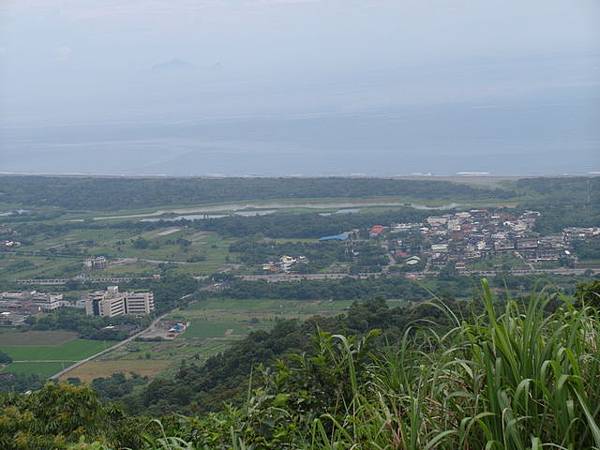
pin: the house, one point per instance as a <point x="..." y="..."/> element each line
<point x="376" y="230"/>
<point x="286" y="262"/>
<point x="413" y="260"/>
<point x="439" y="248"/>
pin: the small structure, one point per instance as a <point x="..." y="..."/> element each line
<point x="287" y="262"/>
<point x="376" y="230"/>
<point x="96" y="263"/>
<point x="336" y="237"/>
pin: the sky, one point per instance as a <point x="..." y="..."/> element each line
<point x="300" y="87"/>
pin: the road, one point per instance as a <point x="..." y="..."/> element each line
<point x="109" y="349"/>
<point x="282" y="277"/>
<point x="278" y="277"/>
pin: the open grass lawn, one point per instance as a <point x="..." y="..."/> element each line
<point x="17" y="338"/>
<point x="97" y="369"/>
<point x="42" y="369"/>
<point x="73" y="350"/>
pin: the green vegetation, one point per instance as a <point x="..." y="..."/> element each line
<point x="46" y="360"/>
<point x="5" y="358"/>
<point x="40" y="370"/>
<point x="123" y="193"/>
<point x="329" y="364"/>
<point x="587" y="250"/>
<point x="564" y="202"/>
<point x="447" y="285"/>
<point x="306" y="224"/>
<point x="70" y="351"/>
<point x="518" y="374"/>
<point x="88" y="327"/>
<point x="36" y="337"/>
<point x="360" y="256"/>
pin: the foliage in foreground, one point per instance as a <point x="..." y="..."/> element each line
<point x="514" y="377"/>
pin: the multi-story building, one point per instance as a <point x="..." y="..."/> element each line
<point x="139" y="303"/>
<point x="111" y="303"/>
<point x="32" y="301"/>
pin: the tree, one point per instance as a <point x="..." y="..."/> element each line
<point x="589" y="293"/>
<point x="5" y="358"/>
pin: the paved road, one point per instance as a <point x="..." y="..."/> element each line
<point x="109" y="349"/>
<point x="282" y="277"/>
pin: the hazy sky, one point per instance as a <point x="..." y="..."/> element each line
<point x="299" y="86"/>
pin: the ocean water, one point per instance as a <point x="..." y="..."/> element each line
<point x="503" y="139"/>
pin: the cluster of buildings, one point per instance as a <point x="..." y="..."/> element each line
<point x="32" y="301"/>
<point x="468" y="236"/>
<point x="112" y="303"/>
<point x="15" y="307"/>
<point x="580" y="234"/>
<point x="285" y="264"/>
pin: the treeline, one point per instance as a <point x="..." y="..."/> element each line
<point x="386" y="286"/>
<point x="88" y="327"/>
<point x="588" y="249"/>
<point x="563" y="202"/>
<point x="87" y="193"/>
<point x="307" y="225"/>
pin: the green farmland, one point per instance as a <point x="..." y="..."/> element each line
<point x="46" y="360"/>
<point x="215" y="324"/>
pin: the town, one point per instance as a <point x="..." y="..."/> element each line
<point x="473" y="239"/>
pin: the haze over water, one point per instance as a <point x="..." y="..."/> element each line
<point x="299" y="87"/>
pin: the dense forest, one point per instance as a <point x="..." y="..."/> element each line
<point x="86" y="193"/>
<point x="447" y="285"/>
<point x="515" y="374"/>
<point x="306" y="225"/>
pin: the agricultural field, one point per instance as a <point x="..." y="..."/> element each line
<point x="46" y="352"/>
<point x="130" y="253"/>
<point x="214" y="325"/>
<point x="100" y="368"/>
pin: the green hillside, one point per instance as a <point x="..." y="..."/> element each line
<point x="517" y="374"/>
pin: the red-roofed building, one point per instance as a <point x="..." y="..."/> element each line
<point x="376" y="230"/>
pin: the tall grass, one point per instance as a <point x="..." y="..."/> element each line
<point x="523" y="374"/>
<point x="516" y="379"/>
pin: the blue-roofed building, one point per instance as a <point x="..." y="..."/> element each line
<point x="336" y="237"/>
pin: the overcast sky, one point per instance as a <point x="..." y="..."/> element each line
<point x="205" y="86"/>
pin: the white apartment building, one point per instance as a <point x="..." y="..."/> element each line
<point x="111" y="303"/>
